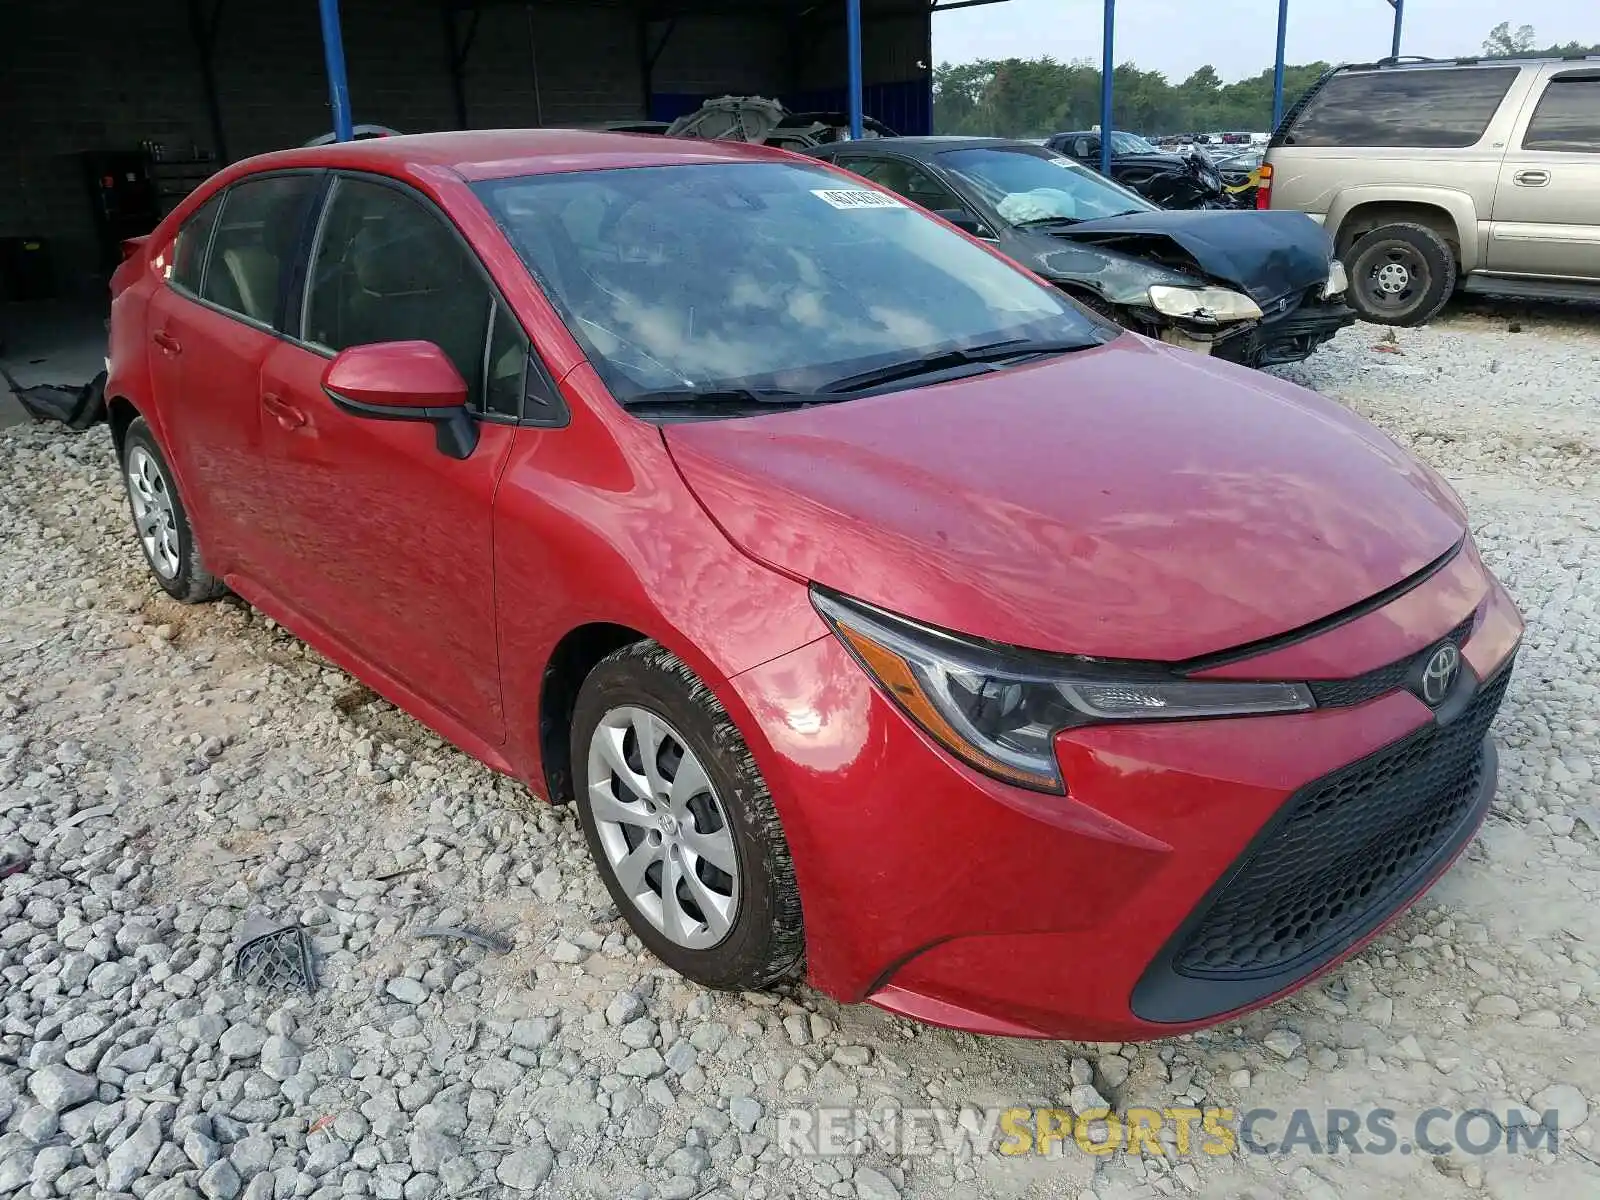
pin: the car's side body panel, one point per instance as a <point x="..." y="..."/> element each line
<point x="593" y="525"/>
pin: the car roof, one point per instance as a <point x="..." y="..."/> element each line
<point x="479" y="154"/>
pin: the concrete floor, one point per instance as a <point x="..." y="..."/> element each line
<point x="55" y="341"/>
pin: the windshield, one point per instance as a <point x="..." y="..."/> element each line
<point x="1024" y="185"/>
<point x="1131" y="143"/>
<point x="757" y="275"/>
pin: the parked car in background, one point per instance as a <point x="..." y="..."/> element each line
<point x="1479" y="175"/>
<point x="1258" y="292"/>
<point x="764" y="122"/>
<point x="878" y="610"/>
<point x="1240" y="168"/>
<point x="1170" y="179"/>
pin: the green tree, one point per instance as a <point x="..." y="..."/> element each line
<point x="1035" y="97"/>
<point x="1503" y="41"/>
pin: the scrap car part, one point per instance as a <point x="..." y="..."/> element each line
<point x="275" y="956"/>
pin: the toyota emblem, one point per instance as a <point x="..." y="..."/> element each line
<point x="1439" y="676"/>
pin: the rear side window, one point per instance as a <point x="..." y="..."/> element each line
<point x="189" y="247"/>
<point x="1568" y="117"/>
<point x="254" y="244"/>
<point x="1424" y="109"/>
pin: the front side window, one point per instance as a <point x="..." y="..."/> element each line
<point x="188" y="256"/>
<point x="908" y="180"/>
<point x="1419" y="109"/>
<point x="505" y="368"/>
<point x="1568" y="117"/>
<point x="1026" y="186"/>
<point x="254" y="244"/>
<point x="760" y="275"/>
<point x="386" y="269"/>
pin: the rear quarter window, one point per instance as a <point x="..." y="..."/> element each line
<point x="1422" y="109"/>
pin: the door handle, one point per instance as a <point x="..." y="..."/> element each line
<point x="287" y="414"/>
<point x="1531" y="178"/>
<point x="166" y="341"/>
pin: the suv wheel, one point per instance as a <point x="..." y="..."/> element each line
<point x="1401" y="275"/>
<point x="681" y="825"/>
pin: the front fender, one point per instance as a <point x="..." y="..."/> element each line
<point x="1456" y="204"/>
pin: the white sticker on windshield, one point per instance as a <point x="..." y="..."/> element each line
<point x="857" y="198"/>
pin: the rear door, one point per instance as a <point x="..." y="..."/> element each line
<point x="211" y="329"/>
<point x="1547" y="202"/>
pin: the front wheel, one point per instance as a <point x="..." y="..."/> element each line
<point x="1401" y="275"/>
<point x="681" y="825"/>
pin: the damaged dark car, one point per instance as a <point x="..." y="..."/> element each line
<point x="1258" y="288"/>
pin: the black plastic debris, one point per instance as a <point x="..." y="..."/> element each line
<point x="491" y="942"/>
<point x="77" y="408"/>
<point x="274" y="955"/>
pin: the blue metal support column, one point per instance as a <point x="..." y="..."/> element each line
<point x="1277" y="64"/>
<point x="1399" y="18"/>
<point x="333" y="56"/>
<point x="1106" y="66"/>
<point x="852" y="10"/>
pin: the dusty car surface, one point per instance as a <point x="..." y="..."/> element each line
<point x="1258" y="292"/>
<point x="881" y="611"/>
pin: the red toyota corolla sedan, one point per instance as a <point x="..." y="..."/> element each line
<point x="879" y="609"/>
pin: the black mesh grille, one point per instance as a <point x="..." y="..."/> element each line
<point x="1344" y="693"/>
<point x="1344" y="848"/>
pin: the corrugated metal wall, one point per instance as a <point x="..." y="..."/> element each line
<point x="82" y="75"/>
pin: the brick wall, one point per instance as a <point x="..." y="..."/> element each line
<point x="81" y="75"/>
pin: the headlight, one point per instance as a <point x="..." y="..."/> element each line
<point x="1338" y="280"/>
<point x="999" y="709"/>
<point x="1204" y="303"/>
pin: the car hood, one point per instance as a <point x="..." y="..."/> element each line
<point x="1129" y="501"/>
<point x="1265" y="254"/>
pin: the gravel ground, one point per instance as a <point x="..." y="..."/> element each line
<point x="169" y="771"/>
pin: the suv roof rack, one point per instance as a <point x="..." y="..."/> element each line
<point x="1474" y="60"/>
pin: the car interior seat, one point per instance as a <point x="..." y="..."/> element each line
<point x="411" y="281"/>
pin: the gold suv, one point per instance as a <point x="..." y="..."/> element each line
<point x="1479" y="174"/>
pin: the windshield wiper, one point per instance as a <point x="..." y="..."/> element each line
<point x="992" y="352"/>
<point x="720" y="400"/>
<point x="1046" y="222"/>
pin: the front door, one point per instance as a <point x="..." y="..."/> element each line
<point x="1547" y="202"/>
<point x="391" y="537"/>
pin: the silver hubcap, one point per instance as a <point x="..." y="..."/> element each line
<point x="663" y="828"/>
<point x="1393" y="278"/>
<point x="153" y="513"/>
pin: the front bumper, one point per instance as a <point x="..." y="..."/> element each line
<point x="936" y="892"/>
<point x="1291" y="335"/>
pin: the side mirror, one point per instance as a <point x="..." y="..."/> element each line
<point x="964" y="221"/>
<point x="404" y="381"/>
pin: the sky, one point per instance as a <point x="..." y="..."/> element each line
<point x="1238" y="36"/>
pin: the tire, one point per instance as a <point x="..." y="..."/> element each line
<point x="168" y="542"/>
<point x="1401" y="275"/>
<point x="750" y="935"/>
